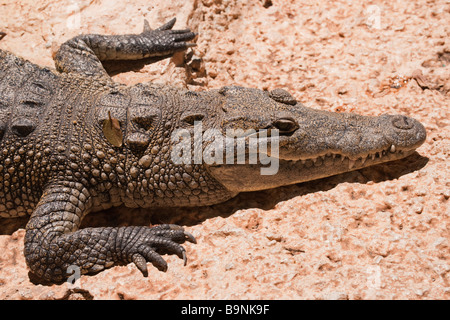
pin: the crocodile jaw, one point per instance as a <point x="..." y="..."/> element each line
<point x="248" y="177"/>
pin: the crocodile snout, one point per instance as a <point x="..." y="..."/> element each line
<point x="403" y="132"/>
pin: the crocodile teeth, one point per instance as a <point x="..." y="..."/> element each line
<point x="351" y="163"/>
<point x="363" y="159"/>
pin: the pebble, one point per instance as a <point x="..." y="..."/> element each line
<point x="417" y="208"/>
<point x="229" y="266"/>
<point x="275" y="237"/>
<point x="421" y="192"/>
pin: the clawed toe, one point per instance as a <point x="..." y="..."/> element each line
<point x="159" y="240"/>
<point x="190" y="237"/>
<point x="173" y="232"/>
<point x="176" y="38"/>
<point x="168" y="25"/>
<point x="186" y="35"/>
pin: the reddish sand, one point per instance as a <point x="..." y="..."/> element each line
<point x="376" y="233"/>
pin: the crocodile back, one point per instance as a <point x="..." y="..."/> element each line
<point x="39" y="110"/>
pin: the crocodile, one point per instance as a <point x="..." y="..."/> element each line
<point x="73" y="141"/>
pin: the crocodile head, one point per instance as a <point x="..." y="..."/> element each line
<point x="312" y="144"/>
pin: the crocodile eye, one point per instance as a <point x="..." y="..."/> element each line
<point x="285" y="125"/>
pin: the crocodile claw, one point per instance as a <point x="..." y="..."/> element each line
<point x="168" y="25"/>
<point x="146" y="26"/>
<point x="184" y="258"/>
<point x="190" y="237"/>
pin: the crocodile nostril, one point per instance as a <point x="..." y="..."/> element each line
<point x="402" y="122"/>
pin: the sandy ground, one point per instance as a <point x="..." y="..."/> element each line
<point x="377" y="233"/>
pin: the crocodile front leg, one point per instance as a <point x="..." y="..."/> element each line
<point x="53" y="242"/>
<point x="83" y="54"/>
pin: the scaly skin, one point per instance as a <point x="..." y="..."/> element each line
<point x="58" y="162"/>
